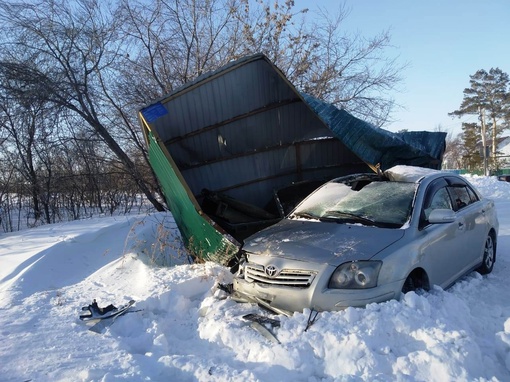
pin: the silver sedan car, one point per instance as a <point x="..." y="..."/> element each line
<point x="369" y="238"/>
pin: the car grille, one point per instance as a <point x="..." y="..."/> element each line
<point x="286" y="277"/>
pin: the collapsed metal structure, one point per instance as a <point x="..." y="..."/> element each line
<point x="236" y="149"/>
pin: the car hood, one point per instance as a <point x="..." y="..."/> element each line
<point x="321" y="242"/>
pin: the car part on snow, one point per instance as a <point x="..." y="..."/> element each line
<point x="312" y="317"/>
<point x="95" y="312"/>
<point x="275" y="323"/>
<point x="101" y="318"/>
<point x="260" y="322"/>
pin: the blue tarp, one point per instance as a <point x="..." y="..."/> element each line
<point x="377" y="146"/>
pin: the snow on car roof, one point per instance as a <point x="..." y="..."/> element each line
<point x="402" y="173"/>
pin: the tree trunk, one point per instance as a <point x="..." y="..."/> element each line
<point x="494" y="144"/>
<point x="484" y="140"/>
<point x="130" y="166"/>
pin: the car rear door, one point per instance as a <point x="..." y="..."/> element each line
<point x="471" y="215"/>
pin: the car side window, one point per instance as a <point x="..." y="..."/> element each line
<point x="441" y="199"/>
<point x="472" y="195"/>
<point x="461" y="196"/>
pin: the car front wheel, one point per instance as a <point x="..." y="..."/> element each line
<point x="416" y="281"/>
<point x="489" y="256"/>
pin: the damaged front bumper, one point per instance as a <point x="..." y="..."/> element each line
<point x="284" y="299"/>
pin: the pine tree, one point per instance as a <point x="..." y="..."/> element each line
<point x="488" y="97"/>
<point x="471" y="157"/>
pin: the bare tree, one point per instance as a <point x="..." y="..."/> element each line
<point x="23" y="124"/>
<point x="97" y="64"/>
<point x="348" y="70"/>
<point x="455" y="153"/>
<point x="171" y="43"/>
<point x="66" y="52"/>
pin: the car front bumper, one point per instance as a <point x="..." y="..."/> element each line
<point x="317" y="296"/>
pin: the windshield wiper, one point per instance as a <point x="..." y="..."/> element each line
<point x="338" y="216"/>
<point x="305" y="215"/>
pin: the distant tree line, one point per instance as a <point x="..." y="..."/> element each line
<point x="488" y="100"/>
<point x="74" y="73"/>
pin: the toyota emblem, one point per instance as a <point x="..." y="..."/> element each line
<point x="272" y="271"/>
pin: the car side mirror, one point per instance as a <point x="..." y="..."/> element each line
<point x="441" y="215"/>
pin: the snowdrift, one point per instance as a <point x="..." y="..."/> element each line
<point x="186" y="329"/>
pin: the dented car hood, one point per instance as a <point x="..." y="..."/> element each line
<point x="321" y="242"/>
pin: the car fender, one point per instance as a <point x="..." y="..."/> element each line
<point x="399" y="259"/>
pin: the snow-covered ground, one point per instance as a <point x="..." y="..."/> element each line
<point x="184" y="329"/>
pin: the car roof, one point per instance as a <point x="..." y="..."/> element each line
<point x="409" y="174"/>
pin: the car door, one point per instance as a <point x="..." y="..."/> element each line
<point x="471" y="215"/>
<point x="441" y="249"/>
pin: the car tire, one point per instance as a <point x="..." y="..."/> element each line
<point x="408" y="285"/>
<point x="417" y="281"/>
<point x="489" y="256"/>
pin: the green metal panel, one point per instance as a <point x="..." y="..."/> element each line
<point x="201" y="235"/>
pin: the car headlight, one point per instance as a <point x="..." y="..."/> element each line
<point x="355" y="275"/>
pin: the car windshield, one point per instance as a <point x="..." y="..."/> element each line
<point x="379" y="203"/>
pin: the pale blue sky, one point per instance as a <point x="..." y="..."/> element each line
<point x="443" y="41"/>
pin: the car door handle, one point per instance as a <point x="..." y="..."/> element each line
<point x="461" y="225"/>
